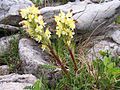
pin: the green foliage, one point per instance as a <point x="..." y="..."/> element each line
<point x="11" y="58"/>
<point x="105" y="75"/>
<point x="107" y="72"/>
<point x="117" y="20"/>
<point x="38" y="85"/>
<point x="37" y="2"/>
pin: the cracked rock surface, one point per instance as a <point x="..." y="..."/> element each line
<point x="9" y="11"/>
<point x="16" y="81"/>
<point x="103" y="45"/>
<point x="89" y="16"/>
<point x="32" y="57"/>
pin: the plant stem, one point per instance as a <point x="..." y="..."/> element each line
<point x="57" y="59"/>
<point x="73" y="59"/>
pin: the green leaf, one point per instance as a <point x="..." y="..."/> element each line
<point x="115" y="71"/>
<point x="48" y="66"/>
<point x="111" y="65"/>
<point x="106" y="60"/>
<point x="102" y="53"/>
<point x="118" y="20"/>
<point x="37" y="85"/>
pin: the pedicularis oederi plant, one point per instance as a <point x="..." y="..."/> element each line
<point x="35" y="26"/>
<point x="82" y="74"/>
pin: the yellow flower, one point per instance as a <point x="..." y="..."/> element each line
<point x="24" y="13"/>
<point x="71" y="23"/>
<point x="71" y="34"/>
<point x="38" y="38"/>
<point x="43" y="47"/>
<point x="69" y="14"/>
<point x="58" y="32"/>
<point x="25" y="23"/>
<point x="64" y="33"/>
<point x="57" y="18"/>
<point x="30" y="17"/>
<point x="62" y="14"/>
<point x="42" y="22"/>
<point x="30" y="32"/>
<point x="34" y="25"/>
<point x="39" y="29"/>
<point x="65" y="26"/>
<point x="34" y="10"/>
<point x="68" y="43"/>
<point x="47" y="33"/>
<point x="39" y="19"/>
<point x="30" y="10"/>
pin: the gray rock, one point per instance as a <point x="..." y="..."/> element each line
<point x="32" y="57"/>
<point x="9" y="10"/>
<point x="8" y="28"/>
<point x="89" y="16"/>
<point x="116" y="36"/>
<point x="16" y="82"/>
<point x="5" y="43"/>
<point x="4" y="70"/>
<point x="103" y="45"/>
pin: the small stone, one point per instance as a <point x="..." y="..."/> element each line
<point x="116" y="36"/>
<point x="4" y="70"/>
<point x="32" y="57"/>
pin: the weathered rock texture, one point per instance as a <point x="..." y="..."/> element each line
<point x="116" y="36"/>
<point x="8" y="28"/>
<point x="89" y="16"/>
<point x="104" y="45"/>
<point x="16" y="82"/>
<point x="5" y="43"/>
<point x="4" y="70"/>
<point x="9" y="10"/>
<point x="32" y="57"/>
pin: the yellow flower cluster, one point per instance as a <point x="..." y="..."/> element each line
<point x="65" y="26"/>
<point x="34" y="25"/>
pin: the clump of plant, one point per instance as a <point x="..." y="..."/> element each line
<point x="11" y="58"/>
<point x="78" y="72"/>
<point x="35" y="27"/>
<point x="117" y="21"/>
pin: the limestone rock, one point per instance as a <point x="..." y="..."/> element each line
<point x="5" y="43"/>
<point x="16" y="82"/>
<point x="8" y="28"/>
<point x="103" y="45"/>
<point x="32" y="57"/>
<point x="4" y="70"/>
<point x="116" y="36"/>
<point x="89" y="16"/>
<point x="9" y="10"/>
